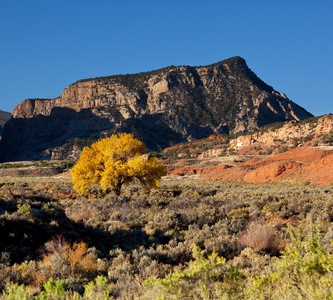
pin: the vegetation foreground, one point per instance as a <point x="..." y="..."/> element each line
<point x="190" y="239"/>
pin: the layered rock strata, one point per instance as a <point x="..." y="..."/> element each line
<point x="161" y="107"/>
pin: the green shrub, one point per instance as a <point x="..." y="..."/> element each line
<point x="97" y="290"/>
<point x="304" y="271"/>
<point x="16" y="292"/>
<point x="202" y="278"/>
<point x="53" y="289"/>
<point x="25" y="210"/>
<point x="327" y="138"/>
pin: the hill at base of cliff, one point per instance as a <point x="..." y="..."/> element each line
<point x="289" y="152"/>
<point x="162" y="107"/>
<point x="4" y="117"/>
<point x="299" y="165"/>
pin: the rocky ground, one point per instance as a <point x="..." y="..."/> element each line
<point x="312" y="165"/>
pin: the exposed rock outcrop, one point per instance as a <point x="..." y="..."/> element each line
<point x="288" y="132"/>
<point x="162" y="107"/>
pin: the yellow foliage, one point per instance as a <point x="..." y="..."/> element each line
<point x="114" y="161"/>
<point x="77" y="253"/>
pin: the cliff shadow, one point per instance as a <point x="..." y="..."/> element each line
<point x="32" y="138"/>
<point x="65" y="131"/>
<point x="49" y="221"/>
<point x="159" y="131"/>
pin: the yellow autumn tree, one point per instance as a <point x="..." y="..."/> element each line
<point x="114" y="161"/>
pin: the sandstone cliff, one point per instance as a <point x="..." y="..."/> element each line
<point x="166" y="106"/>
<point x="289" y="132"/>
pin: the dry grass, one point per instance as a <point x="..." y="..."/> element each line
<point x="263" y="238"/>
<point x="80" y="215"/>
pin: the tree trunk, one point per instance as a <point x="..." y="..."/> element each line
<point x="118" y="188"/>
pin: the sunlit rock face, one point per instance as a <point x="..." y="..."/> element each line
<point x="161" y="107"/>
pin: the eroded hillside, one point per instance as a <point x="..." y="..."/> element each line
<point x="293" y="152"/>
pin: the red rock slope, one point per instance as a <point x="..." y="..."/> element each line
<point x="312" y="165"/>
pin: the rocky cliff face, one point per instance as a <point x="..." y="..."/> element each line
<point x="4" y="117"/>
<point x="162" y="107"/>
<point x="288" y="132"/>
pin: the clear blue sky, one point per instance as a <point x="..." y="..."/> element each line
<point x="47" y="45"/>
